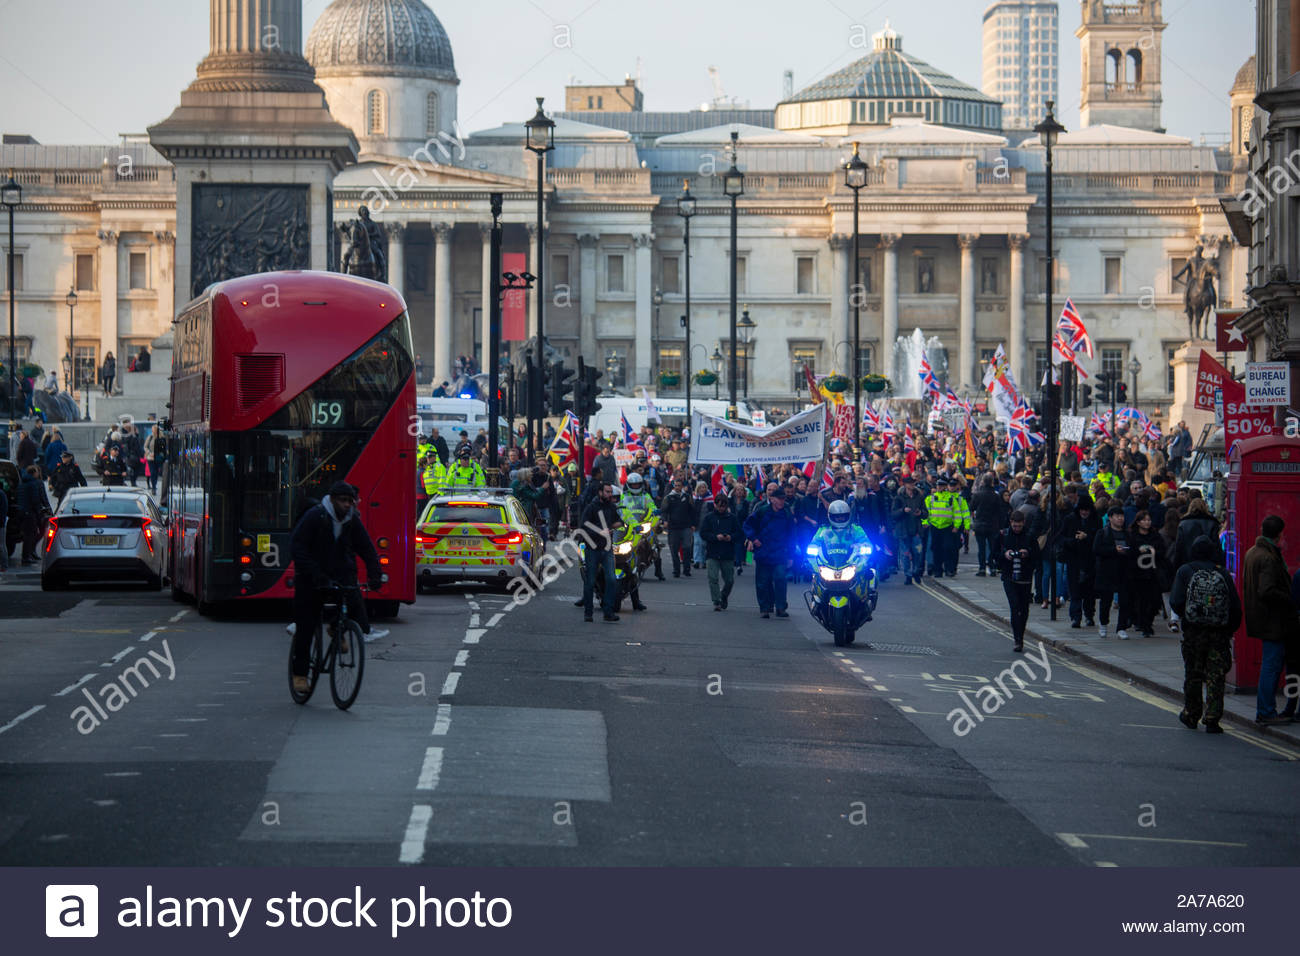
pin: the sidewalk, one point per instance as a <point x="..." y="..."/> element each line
<point x="1154" y="663"/>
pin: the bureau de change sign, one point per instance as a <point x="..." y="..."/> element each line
<point x="1268" y="383"/>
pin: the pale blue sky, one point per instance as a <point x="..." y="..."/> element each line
<point x="83" y="71"/>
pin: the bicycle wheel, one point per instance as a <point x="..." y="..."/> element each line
<point x="313" y="671"/>
<point x="345" y="675"/>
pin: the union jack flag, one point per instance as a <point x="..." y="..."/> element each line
<point x="928" y="379"/>
<point x="1151" y="431"/>
<point x="909" y="443"/>
<point x="870" y="419"/>
<point x="631" y="440"/>
<point x="1100" y="424"/>
<point x="1019" y="437"/>
<point x="1132" y="414"/>
<point x="566" y="447"/>
<point x="1072" y="328"/>
<point x="1062" y="352"/>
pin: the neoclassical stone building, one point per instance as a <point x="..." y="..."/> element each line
<point x="952" y="236"/>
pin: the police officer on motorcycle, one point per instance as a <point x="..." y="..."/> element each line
<point x="640" y="507"/>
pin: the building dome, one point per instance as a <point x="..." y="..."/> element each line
<point x="886" y="83"/>
<point x="380" y="37"/>
<point x="1245" y="81"/>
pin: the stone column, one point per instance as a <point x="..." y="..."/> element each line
<point x="966" y="351"/>
<point x="587" y="297"/>
<point x="442" y="360"/>
<point x="1016" y="307"/>
<point x="841" y="280"/>
<point x="644" y="242"/>
<point x="108" y="300"/>
<point x="532" y="267"/>
<point x="166" y="280"/>
<point x="889" y="304"/>
<point x="254" y="26"/>
<point x="485" y="297"/>
<point x="396" y="232"/>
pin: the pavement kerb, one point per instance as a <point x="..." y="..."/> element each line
<point x="1174" y="694"/>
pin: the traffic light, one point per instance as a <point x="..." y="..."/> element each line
<point x="586" y="390"/>
<point x="534" y="391"/>
<point x="1103" y="388"/>
<point x="1121" y="393"/>
<point x="1086" y="398"/>
<point x="560" y="387"/>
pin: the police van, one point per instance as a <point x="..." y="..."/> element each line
<point x="451" y="416"/>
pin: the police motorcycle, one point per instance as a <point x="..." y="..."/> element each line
<point x="641" y="514"/>
<point x="844" y="587"/>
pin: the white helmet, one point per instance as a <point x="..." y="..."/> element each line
<point x="839" y="515"/>
<point x="635" y="483"/>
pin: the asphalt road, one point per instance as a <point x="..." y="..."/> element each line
<point x="492" y="734"/>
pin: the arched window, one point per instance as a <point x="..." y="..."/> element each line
<point x="376" y="116"/>
<point x="431" y="115"/>
<point x="1114" y="67"/>
<point x="1135" y="67"/>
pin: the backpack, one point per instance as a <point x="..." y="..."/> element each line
<point x="1208" y="602"/>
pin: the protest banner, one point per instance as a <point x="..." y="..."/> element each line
<point x="799" y="439"/>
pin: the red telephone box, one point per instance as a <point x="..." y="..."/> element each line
<point x="1263" y="480"/>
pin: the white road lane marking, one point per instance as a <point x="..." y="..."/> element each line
<point x="1104" y="863"/>
<point x="123" y="773"/>
<point x="462" y="657"/>
<point x="178" y="615"/>
<point x="150" y="636"/>
<point x="1076" y="839"/>
<point x="21" y="717"/>
<point x="1069" y="839"/>
<point x="442" y="723"/>
<point x="173" y="735"/>
<point x="473" y="620"/>
<point x="449" y="685"/>
<point x="190" y="720"/>
<point x="495" y="619"/>
<point x="117" y="657"/>
<point x="473" y="636"/>
<point x="417" y="828"/>
<point x="431" y="771"/>
<point x="71" y="687"/>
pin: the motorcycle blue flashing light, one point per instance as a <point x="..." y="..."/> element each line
<point x="812" y="550"/>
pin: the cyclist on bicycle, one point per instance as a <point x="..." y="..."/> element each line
<point x="326" y="544"/>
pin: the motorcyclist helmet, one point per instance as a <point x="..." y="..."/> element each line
<point x="635" y="483"/>
<point x="839" y="515"/>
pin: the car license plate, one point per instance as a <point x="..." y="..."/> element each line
<point x="100" y="541"/>
<point x="464" y="544"/>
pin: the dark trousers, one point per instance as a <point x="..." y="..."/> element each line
<point x="1206" y="659"/>
<point x="951" y="551"/>
<point x="133" y="470"/>
<point x="680" y="543"/>
<point x="769" y="585"/>
<point x="307" y="603"/>
<point x="984" y="542"/>
<point x="1082" y="599"/>
<point x="108" y="384"/>
<point x="1146" y="603"/>
<point x="1104" y="599"/>
<point x="597" y="559"/>
<point x="31" y="534"/>
<point x="1018" y="599"/>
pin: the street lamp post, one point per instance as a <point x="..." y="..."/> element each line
<point x="1048" y="131"/>
<point x="70" y="382"/>
<point x="658" y="299"/>
<point x="717" y="358"/>
<point x="11" y="194"/>
<point x="493" y="343"/>
<point x="855" y="177"/>
<point x="733" y="186"/>
<point x="540" y="139"/>
<point x="1134" y="370"/>
<point x="746" y="326"/>
<point x="686" y="209"/>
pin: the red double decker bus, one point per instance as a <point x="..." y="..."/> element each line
<point x="282" y="384"/>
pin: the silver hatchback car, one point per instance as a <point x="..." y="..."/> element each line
<point x="105" y="534"/>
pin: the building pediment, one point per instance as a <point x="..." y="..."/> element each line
<point x="404" y="175"/>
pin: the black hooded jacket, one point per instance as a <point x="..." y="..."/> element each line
<point x="320" y="557"/>
<point x="1204" y="557"/>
